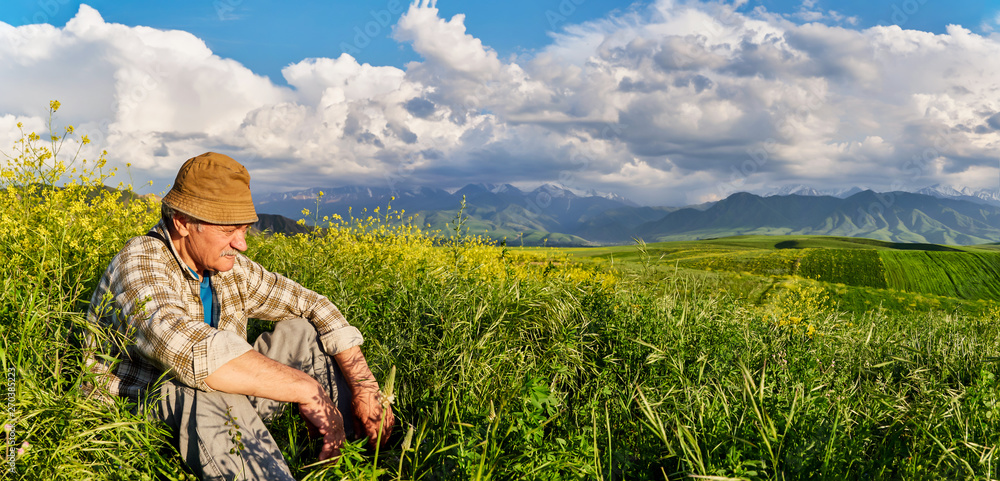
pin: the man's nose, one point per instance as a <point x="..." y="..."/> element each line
<point x="240" y="241"/>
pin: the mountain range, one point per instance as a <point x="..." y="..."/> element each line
<point x="555" y="216"/>
<point x="982" y="196"/>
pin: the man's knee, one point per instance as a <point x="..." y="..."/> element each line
<point x="183" y="405"/>
<point x="295" y="328"/>
<point x="294" y="343"/>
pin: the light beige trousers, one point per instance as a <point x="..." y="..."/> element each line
<point x="198" y="418"/>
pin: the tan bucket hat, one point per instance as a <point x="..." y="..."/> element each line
<point x="213" y="188"/>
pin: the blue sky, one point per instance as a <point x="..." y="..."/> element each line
<point x="667" y="102"/>
<point x="267" y="35"/>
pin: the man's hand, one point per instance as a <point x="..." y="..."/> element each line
<point x="370" y="409"/>
<point x="322" y="414"/>
<point x="369" y="406"/>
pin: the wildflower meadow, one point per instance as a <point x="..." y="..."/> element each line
<point x="508" y="363"/>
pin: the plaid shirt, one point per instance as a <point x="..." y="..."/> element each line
<point x="147" y="318"/>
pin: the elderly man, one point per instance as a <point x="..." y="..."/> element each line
<point x="176" y="302"/>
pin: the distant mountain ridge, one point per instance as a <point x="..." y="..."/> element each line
<point x="555" y="216"/>
<point x="892" y="216"/>
<point x="982" y="196"/>
<point x="800" y="189"/>
<point x="548" y="215"/>
<point x="273" y="223"/>
<point x="985" y="196"/>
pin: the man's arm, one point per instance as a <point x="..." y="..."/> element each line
<point x="367" y="400"/>
<point x="275" y="297"/>
<point x="253" y="374"/>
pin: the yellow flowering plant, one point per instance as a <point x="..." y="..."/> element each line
<point x="60" y="222"/>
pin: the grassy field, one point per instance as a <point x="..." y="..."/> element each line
<point x="966" y="275"/>
<point x="962" y="274"/>
<point x="746" y="358"/>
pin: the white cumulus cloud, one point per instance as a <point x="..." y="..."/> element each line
<point x="666" y="103"/>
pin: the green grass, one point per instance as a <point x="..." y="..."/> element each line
<point x="671" y="373"/>
<point x="855" y="267"/>
<point x="613" y="363"/>
<point x="965" y="275"/>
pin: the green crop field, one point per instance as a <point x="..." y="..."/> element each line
<point x="969" y="273"/>
<point x="758" y="358"/>
<point x="966" y="275"/>
<point x="855" y="267"/>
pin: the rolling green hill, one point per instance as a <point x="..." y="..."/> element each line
<point x="964" y="275"/>
<point x="969" y="273"/>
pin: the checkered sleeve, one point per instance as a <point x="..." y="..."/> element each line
<point x="152" y="299"/>
<point x="274" y="297"/>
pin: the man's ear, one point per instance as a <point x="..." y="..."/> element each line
<point x="182" y="224"/>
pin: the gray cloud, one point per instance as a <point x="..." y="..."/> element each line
<point x="419" y="107"/>
<point x="629" y="85"/>
<point x="994" y="121"/>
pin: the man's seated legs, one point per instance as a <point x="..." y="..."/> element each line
<point x="198" y="418"/>
<point x="201" y="435"/>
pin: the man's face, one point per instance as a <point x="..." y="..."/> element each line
<point x="214" y="247"/>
